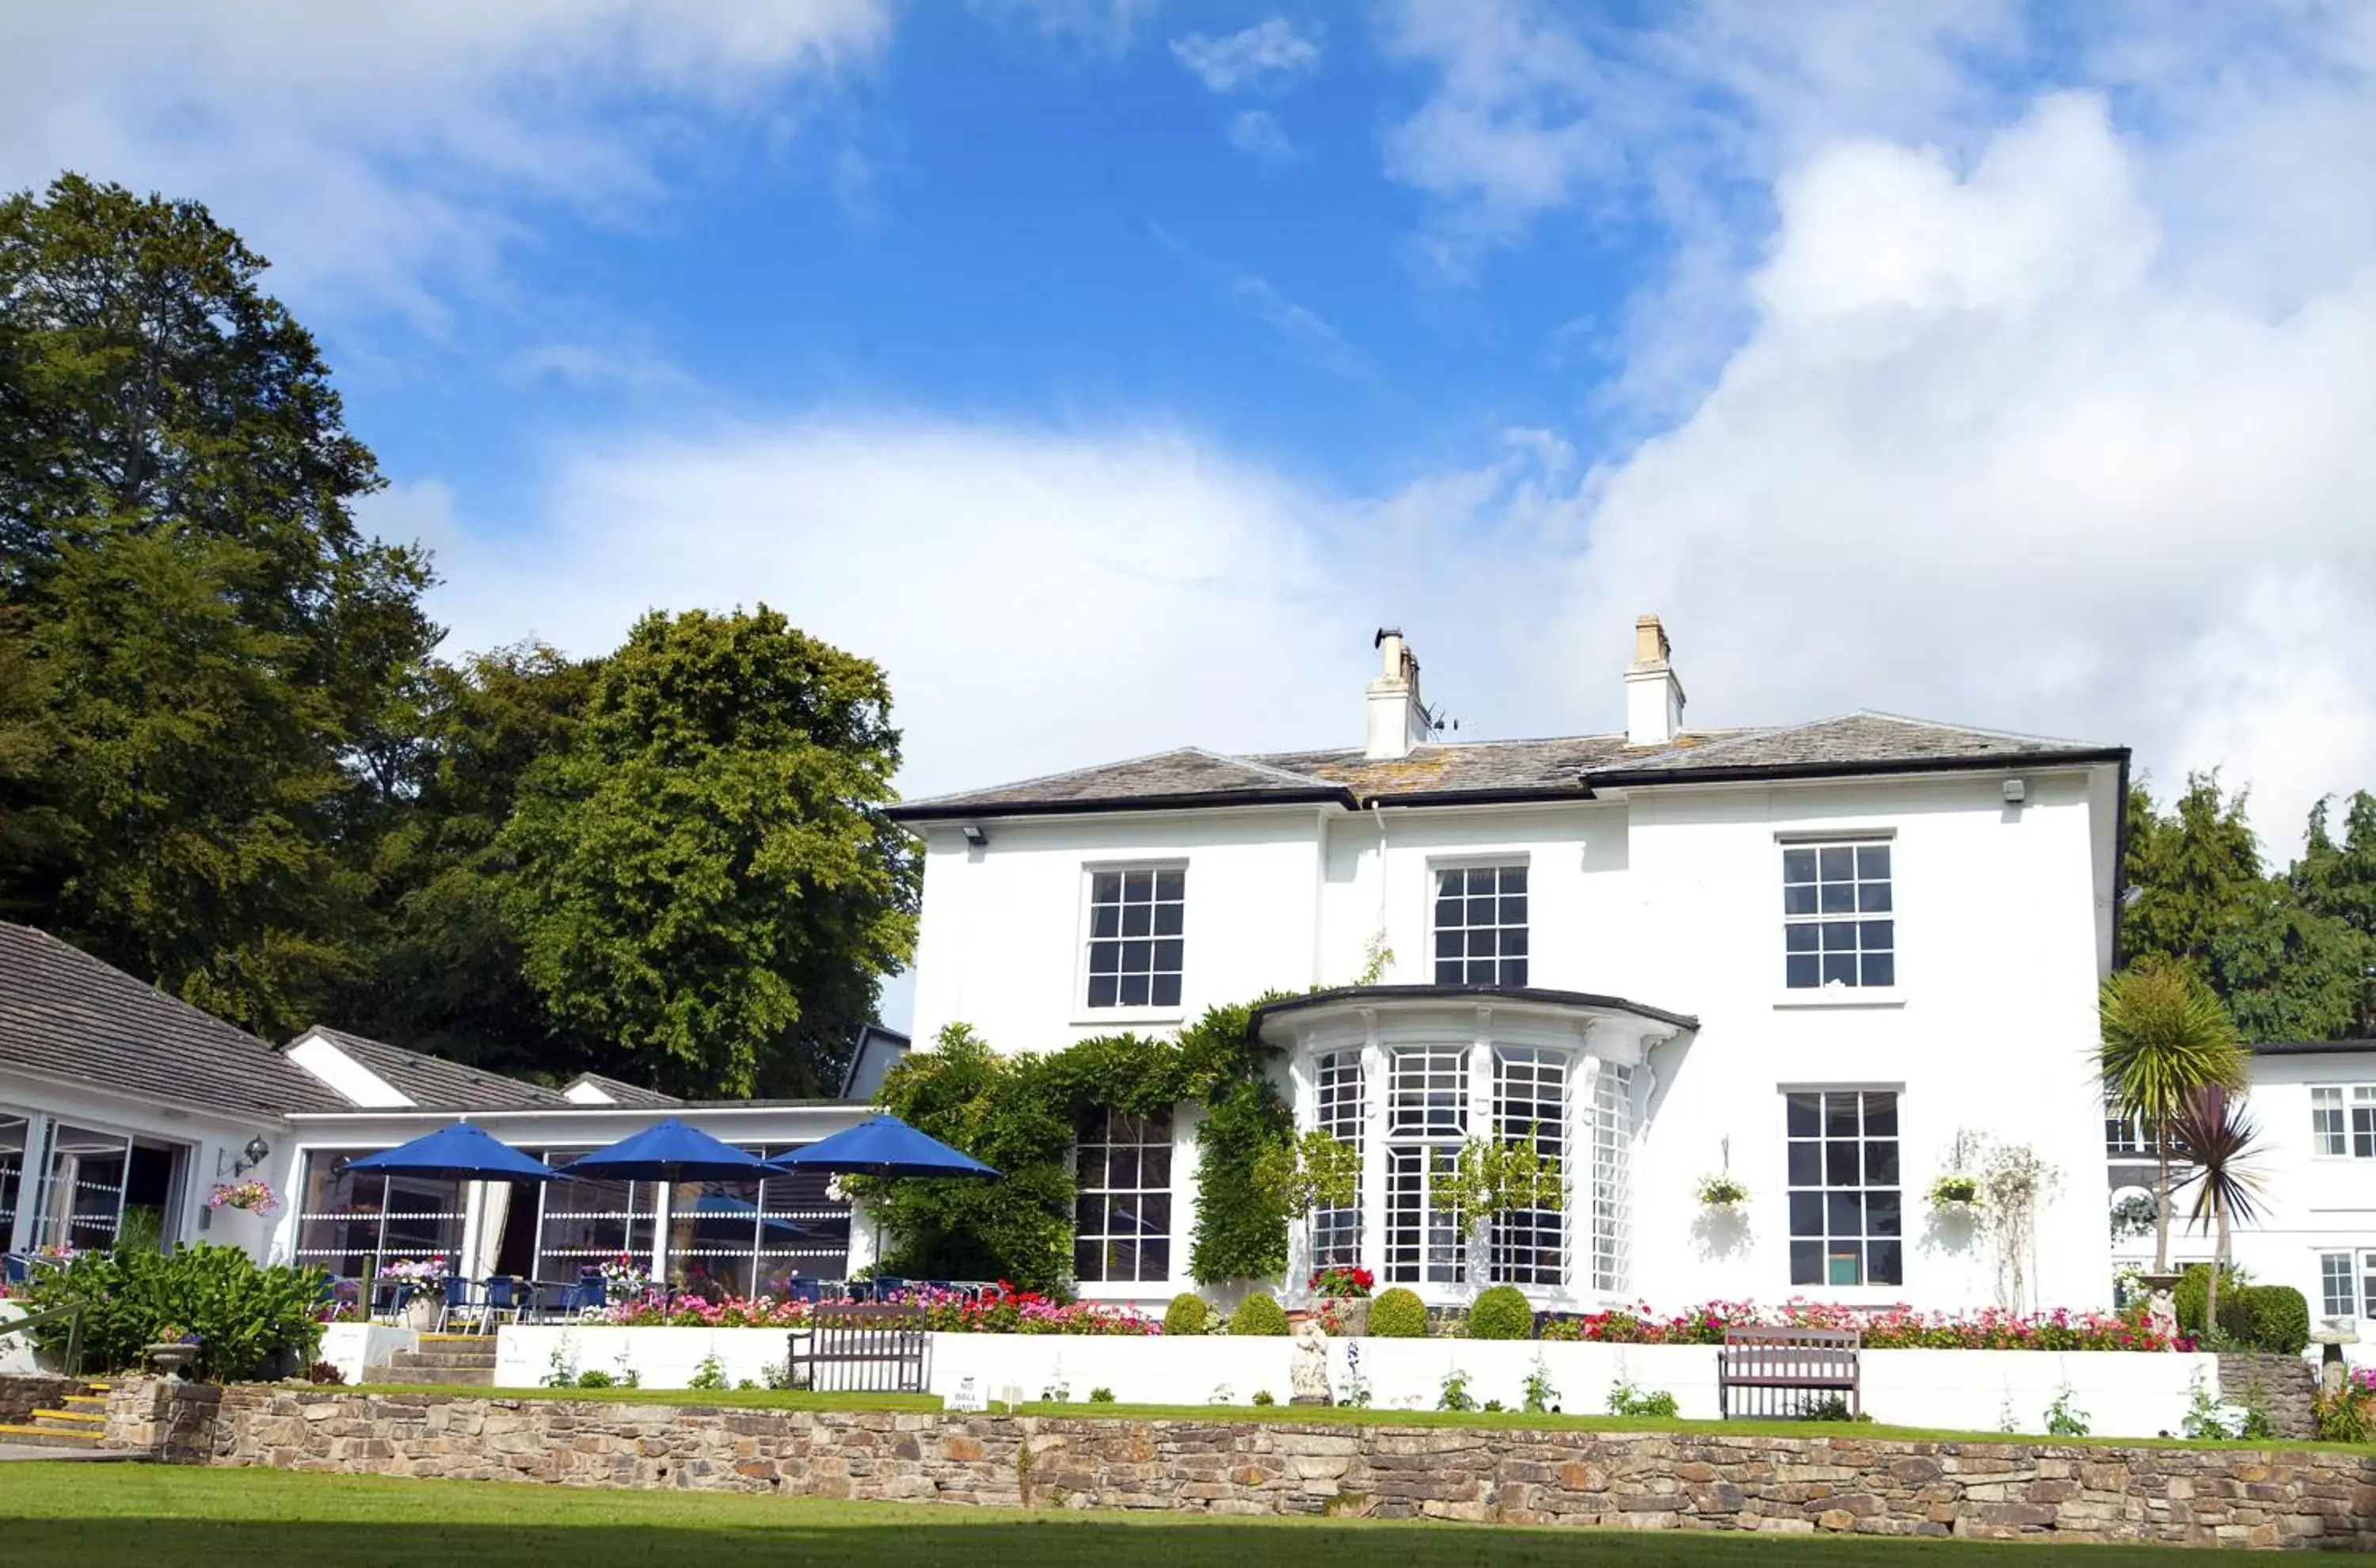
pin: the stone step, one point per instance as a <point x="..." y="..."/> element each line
<point x="457" y="1377"/>
<point x="70" y="1420"/>
<point x="48" y="1437"/>
<point x="434" y="1362"/>
<point x="95" y="1403"/>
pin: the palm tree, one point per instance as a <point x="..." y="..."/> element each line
<point x="2165" y="1036"/>
<point x="2216" y="1139"/>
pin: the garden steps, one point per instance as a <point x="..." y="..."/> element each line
<point x="76" y="1421"/>
<point x="465" y="1360"/>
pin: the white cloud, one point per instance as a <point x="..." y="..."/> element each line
<point x="374" y="152"/>
<point x="1265" y="55"/>
<point x="1258" y="135"/>
<point x="1984" y="458"/>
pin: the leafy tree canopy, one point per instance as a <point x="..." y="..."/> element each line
<point x="214" y="643"/>
<point x="2291" y="957"/>
<point x="704" y="876"/>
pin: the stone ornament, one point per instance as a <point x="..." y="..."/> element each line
<point x="1308" y="1378"/>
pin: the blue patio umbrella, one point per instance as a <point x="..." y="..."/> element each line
<point x="459" y="1153"/>
<point x="886" y="1147"/>
<point x="670" y="1152"/>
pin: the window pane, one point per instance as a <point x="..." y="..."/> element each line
<point x="1799" y="898"/>
<point x="1166" y="955"/>
<point x="1879" y="1114"/>
<point x="1453" y="883"/>
<point x="1881" y="1216"/>
<point x="1137" y="919"/>
<point x="1170" y="886"/>
<point x="1844" y="1213"/>
<point x="1888" y="1263"/>
<point x="1137" y="887"/>
<point x="1872" y="897"/>
<point x="1105" y="921"/>
<point x="1874" y="934"/>
<point x="1801" y="973"/>
<point x="1800" y="938"/>
<point x="1102" y="991"/>
<point x="1880" y="969"/>
<point x="1166" y="919"/>
<point x="1105" y="957"/>
<point x="1806" y="1214"/>
<point x="1836" y="863"/>
<point x="1513" y="879"/>
<point x="1839" y="897"/>
<point x="1105" y="887"/>
<point x="1166" y="990"/>
<point x="1839" y="936"/>
<point x="1872" y="861"/>
<point x="1839" y="969"/>
<point x="1803" y="1114"/>
<point x="1806" y="1263"/>
<point x="1840" y="1163"/>
<point x="1135" y="990"/>
<point x="1880" y="1163"/>
<point x="1798" y="865"/>
<point x="1806" y="1165"/>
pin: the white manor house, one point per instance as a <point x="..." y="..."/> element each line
<point x="1806" y="956"/>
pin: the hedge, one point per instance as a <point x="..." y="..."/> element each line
<point x="1501" y="1312"/>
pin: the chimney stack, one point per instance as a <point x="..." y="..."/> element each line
<point x="1654" y="698"/>
<point x="1398" y="721"/>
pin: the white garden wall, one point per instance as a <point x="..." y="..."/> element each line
<point x="353" y="1347"/>
<point x="2122" y="1395"/>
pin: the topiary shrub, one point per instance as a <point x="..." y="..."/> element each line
<point x="2268" y="1317"/>
<point x="1186" y="1315"/>
<point x="1398" y="1314"/>
<point x="1501" y="1312"/>
<point x="1258" y="1314"/>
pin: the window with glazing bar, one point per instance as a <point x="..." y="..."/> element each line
<point x="1529" y="1246"/>
<point x="1344" y="1116"/>
<point x="1136" y="947"/>
<point x="1838" y="926"/>
<point x="1612" y="1187"/>
<point x="1480" y="925"/>
<point x="1846" y="1221"/>
<point x="1122" y="1221"/>
<point x="1427" y="1117"/>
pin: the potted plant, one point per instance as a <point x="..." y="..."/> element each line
<point x="624" y="1279"/>
<point x="175" y="1348"/>
<point x="422" y="1283"/>
<point x="1723" y="1191"/>
<point x="1344" y="1294"/>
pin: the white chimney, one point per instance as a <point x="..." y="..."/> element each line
<point x="1654" y="698"/>
<point x="1398" y="721"/>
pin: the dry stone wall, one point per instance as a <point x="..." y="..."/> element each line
<point x="1842" y="1482"/>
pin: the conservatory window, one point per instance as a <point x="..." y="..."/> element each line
<point x="354" y="1225"/>
<point x="587" y="1223"/>
<point x="1427" y="1117"/>
<point x="1344" y="1116"/>
<point x="755" y="1238"/>
<point x="1846" y="1227"/>
<point x="1121" y="1220"/>
<point x="1529" y="1246"/>
<point x="1612" y="1192"/>
<point x="1837" y="926"/>
<point x="1480" y="925"/>
<point x="14" y="1135"/>
<point x="82" y="1193"/>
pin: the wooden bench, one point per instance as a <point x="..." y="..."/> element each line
<point x="1787" y="1372"/>
<point x="862" y="1347"/>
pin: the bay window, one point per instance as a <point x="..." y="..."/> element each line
<point x="1427" y="1120"/>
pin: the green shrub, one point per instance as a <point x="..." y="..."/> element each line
<point x="1102" y="1396"/>
<point x="245" y="1316"/>
<point x="2268" y="1317"/>
<point x="1186" y="1315"/>
<point x="1264" y="1396"/>
<point x="1258" y="1314"/>
<point x="2344" y="1416"/>
<point x="1627" y="1399"/>
<point x="1501" y="1312"/>
<point x="594" y="1378"/>
<point x="1398" y="1314"/>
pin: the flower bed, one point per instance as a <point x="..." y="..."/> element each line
<point x="1887" y="1329"/>
<point x="1002" y="1311"/>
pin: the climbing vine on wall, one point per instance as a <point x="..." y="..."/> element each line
<point x="1021" y="1113"/>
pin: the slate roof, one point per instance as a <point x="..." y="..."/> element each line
<point x="65" y="1015"/>
<point x="1562" y="768"/>
<point x="435" y="1083"/>
<point x="2311" y="1047"/>
<point x="625" y="1093"/>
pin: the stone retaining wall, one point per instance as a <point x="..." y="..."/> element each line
<point x="2280" y="1387"/>
<point x="20" y="1397"/>
<point x="1842" y="1481"/>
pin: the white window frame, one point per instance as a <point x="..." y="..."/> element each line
<point x="1341" y="1109"/>
<point x="1436" y="871"/>
<point x="2349" y="1258"/>
<point x="1865" y="1287"/>
<point x="2135" y="1142"/>
<point x="1155" y="1132"/>
<point x="1426" y="1142"/>
<point x="1082" y="1012"/>
<point x="2329" y="1140"/>
<point x="1822" y="994"/>
<point x="1517" y="1242"/>
<point x="1612" y="1178"/>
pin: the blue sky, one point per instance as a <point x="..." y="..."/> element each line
<point x="1109" y="369"/>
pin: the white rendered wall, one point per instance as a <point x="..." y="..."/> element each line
<point x="2123" y="1395"/>
<point x="2311" y="1203"/>
<point x="1672" y="899"/>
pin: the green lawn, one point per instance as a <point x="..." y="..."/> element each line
<point x="70" y="1515"/>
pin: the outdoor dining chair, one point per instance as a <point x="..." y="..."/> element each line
<point x="502" y="1295"/>
<point x="457" y="1298"/>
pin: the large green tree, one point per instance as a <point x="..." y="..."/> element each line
<point x="219" y="652"/>
<point x="705" y="878"/>
<point x="445" y="972"/>
<point x="2289" y="956"/>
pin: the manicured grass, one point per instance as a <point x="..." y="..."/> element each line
<point x="82" y="1514"/>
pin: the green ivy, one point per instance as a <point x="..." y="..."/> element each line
<point x="1020" y="1114"/>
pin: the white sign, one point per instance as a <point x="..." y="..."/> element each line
<point x="967" y="1397"/>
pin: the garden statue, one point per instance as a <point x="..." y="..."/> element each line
<point x="2161" y="1312"/>
<point x="1309" y="1377"/>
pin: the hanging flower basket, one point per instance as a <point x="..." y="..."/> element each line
<point x="1955" y="1192"/>
<point x="1723" y="1191"/>
<point x="250" y="1196"/>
